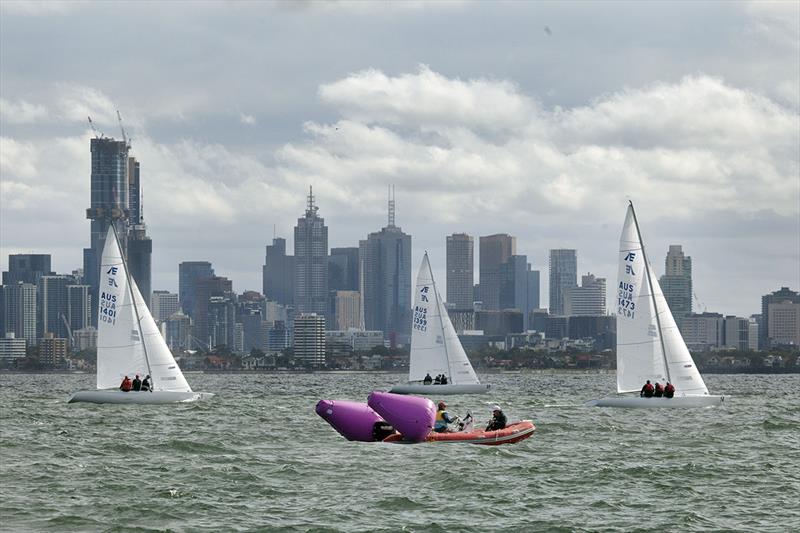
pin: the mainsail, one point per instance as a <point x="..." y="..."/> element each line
<point x="435" y="348"/>
<point x="128" y="340"/>
<point x="649" y="345"/>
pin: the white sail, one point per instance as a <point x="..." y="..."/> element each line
<point x="649" y="345"/>
<point x="128" y="340"/>
<point x="120" y="351"/>
<point x="435" y="348"/>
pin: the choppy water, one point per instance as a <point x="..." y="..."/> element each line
<point x="256" y="457"/>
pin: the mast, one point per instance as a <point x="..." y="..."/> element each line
<point x="441" y="320"/>
<point x="652" y="292"/>
<point x="135" y="308"/>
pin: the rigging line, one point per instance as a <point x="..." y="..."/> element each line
<point x="135" y="307"/>
<point x="652" y="292"/>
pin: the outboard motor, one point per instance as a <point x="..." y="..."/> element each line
<point x="412" y="416"/>
<point x="353" y="420"/>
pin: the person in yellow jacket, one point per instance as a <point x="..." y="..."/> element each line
<point x="443" y="418"/>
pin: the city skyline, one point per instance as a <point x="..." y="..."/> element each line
<point x="707" y="148"/>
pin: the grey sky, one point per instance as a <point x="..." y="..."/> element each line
<point x="484" y="121"/>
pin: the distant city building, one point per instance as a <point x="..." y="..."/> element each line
<point x="602" y="329"/>
<point x="109" y="203"/>
<point x="343" y="269"/>
<point x="140" y="246"/>
<point x="277" y="337"/>
<point x="516" y="292"/>
<point x="79" y="307"/>
<point x="538" y="319"/>
<point x="11" y="348"/>
<point x="493" y="322"/>
<point x="278" y="273"/>
<point x="222" y="321"/>
<point x="494" y="251"/>
<point x="204" y="290"/>
<point x="250" y="311"/>
<point x="84" y="339"/>
<point x="462" y="319"/>
<point x="163" y="304"/>
<point x="766" y="331"/>
<point x="348" y="341"/>
<point x="53" y="306"/>
<point x="52" y="350"/>
<point x="460" y="270"/>
<point x="27" y="268"/>
<point x="189" y="273"/>
<point x="783" y="323"/>
<point x="347" y="309"/>
<point x="703" y="331"/>
<point x="676" y="283"/>
<point x="587" y="300"/>
<point x="19" y="308"/>
<point x="563" y="275"/>
<point x="736" y="333"/>
<point x="178" y="331"/>
<point x="753" y="334"/>
<point x="385" y="273"/>
<point x="309" y="339"/>
<point x="311" y="262"/>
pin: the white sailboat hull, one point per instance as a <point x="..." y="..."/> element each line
<point x="141" y="398"/>
<point x="436" y="390"/>
<point x="635" y="402"/>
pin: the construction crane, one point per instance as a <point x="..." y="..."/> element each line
<point x="97" y="134"/>
<point x="699" y="303"/>
<point x="122" y="129"/>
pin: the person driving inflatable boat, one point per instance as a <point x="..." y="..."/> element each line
<point x="443" y="418"/>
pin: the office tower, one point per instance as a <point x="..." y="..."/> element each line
<point x="278" y="273"/>
<point x="178" y="331"/>
<point x="222" y="321"/>
<point x="563" y="274"/>
<point x="703" y="331"/>
<point x="676" y="283"/>
<point x="109" y="203"/>
<point x="767" y="330"/>
<point x="587" y="300"/>
<point x="163" y="304"/>
<point x="784" y="324"/>
<point x="189" y="273"/>
<point x="534" y="290"/>
<point x="343" y="269"/>
<point x="250" y="311"/>
<point x="309" y="339"/>
<point x="20" y="311"/>
<point x="277" y="337"/>
<point x="460" y="270"/>
<point x="53" y="306"/>
<point x="79" y="307"/>
<point x="385" y="266"/>
<point x="140" y="246"/>
<point x="27" y="268"/>
<point x="52" y="350"/>
<point x="11" y="349"/>
<point x="204" y="290"/>
<point x="84" y="339"/>
<point x="494" y="251"/>
<point x="311" y="261"/>
<point x="515" y="291"/>
<point x="752" y="334"/>
<point x="348" y="310"/>
<point x="736" y="333"/>
<point x="3" y="329"/>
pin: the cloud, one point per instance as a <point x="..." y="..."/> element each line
<point x="77" y="102"/>
<point x="21" y="112"/>
<point x="40" y="7"/>
<point x="247" y="119"/>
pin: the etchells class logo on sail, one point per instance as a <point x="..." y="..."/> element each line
<point x="108" y="301"/>
<point x="625" y="304"/>
<point x="420" y="311"/>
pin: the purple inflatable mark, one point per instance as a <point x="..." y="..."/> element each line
<point x="412" y="416"/>
<point x="353" y="420"/>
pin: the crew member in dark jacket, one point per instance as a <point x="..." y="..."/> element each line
<point x="137" y="383"/>
<point x="146" y="383"/>
<point x="647" y="390"/>
<point x="498" y="420"/>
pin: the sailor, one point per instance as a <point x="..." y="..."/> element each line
<point x="498" y="420"/>
<point x="647" y="390"/>
<point x="146" y="383"/>
<point x="659" y="390"/>
<point x="428" y="379"/>
<point x="669" y="390"/>
<point x="438" y="380"/>
<point x="444" y="379"/>
<point x="126" y="384"/>
<point x="137" y="383"/>
<point x="442" y="419"/>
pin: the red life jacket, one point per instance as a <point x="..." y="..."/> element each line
<point x="126" y="385"/>
<point x="648" y="388"/>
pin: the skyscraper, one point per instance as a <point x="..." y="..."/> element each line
<point x="311" y="261"/>
<point x="494" y="251"/>
<point x="385" y="266"/>
<point x="163" y="304"/>
<point x="343" y="269"/>
<point x="27" y="268"/>
<point x="53" y="306"/>
<point x="309" y="339"/>
<point x="109" y="203"/>
<point x="676" y="283"/>
<point x="770" y="333"/>
<point x="189" y="273"/>
<point x="20" y="311"/>
<point x="204" y="290"/>
<point x="587" y="300"/>
<point x="79" y="305"/>
<point x="460" y="270"/>
<point x="278" y="273"/>
<point x="140" y="246"/>
<point x="563" y="274"/>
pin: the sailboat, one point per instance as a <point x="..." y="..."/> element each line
<point x="649" y="344"/>
<point x="435" y="348"/>
<point x="129" y="342"/>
